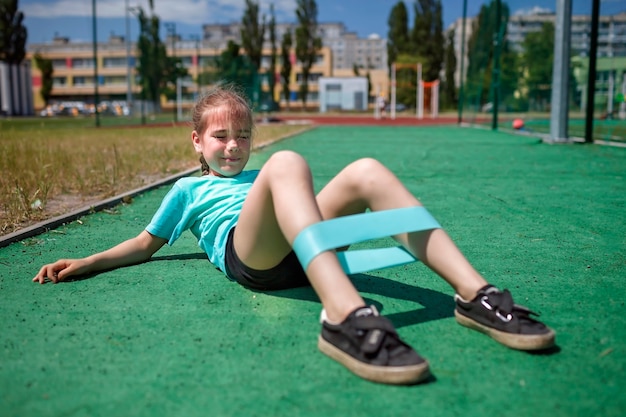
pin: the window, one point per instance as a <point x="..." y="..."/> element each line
<point x="114" y="62"/>
<point x="313" y="77"/>
<point x="59" y="63"/>
<point x="82" y="63"/>
<point x="115" y="80"/>
<point x="206" y="61"/>
<point x="59" y="81"/>
<point x="266" y="61"/>
<point x="83" y="81"/>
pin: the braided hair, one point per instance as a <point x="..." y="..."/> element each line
<point x="206" y="170"/>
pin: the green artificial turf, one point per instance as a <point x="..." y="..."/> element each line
<point x="174" y="337"/>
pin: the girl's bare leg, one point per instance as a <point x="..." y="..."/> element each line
<point x="369" y="184"/>
<point x="280" y="204"/>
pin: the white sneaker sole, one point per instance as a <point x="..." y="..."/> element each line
<point x="514" y="341"/>
<point x="397" y="375"/>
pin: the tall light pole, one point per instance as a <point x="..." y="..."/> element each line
<point x="196" y="38"/>
<point x="95" y="60"/>
<point x="129" y="92"/>
<point x="135" y="10"/>
<point x="171" y="32"/>
<point x="495" y="72"/>
<point x="593" y="58"/>
<point x="461" y="78"/>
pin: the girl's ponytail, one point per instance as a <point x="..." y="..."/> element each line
<point x="205" y="167"/>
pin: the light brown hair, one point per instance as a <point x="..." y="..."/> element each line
<point x="224" y="94"/>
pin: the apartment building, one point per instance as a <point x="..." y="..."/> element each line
<point x="611" y="52"/>
<point x="611" y="32"/>
<point x="74" y="72"/>
<point x="460" y="48"/>
<point x="347" y="50"/>
<point x="74" y="75"/>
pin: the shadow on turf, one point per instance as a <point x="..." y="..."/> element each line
<point x="177" y="257"/>
<point x="434" y="305"/>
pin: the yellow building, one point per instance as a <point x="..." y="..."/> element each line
<point x="74" y="75"/>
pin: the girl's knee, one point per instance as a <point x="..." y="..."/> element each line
<point x="368" y="173"/>
<point x="367" y="167"/>
<point x="286" y="162"/>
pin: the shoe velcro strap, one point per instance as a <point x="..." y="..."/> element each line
<point x="375" y="328"/>
<point x="524" y="310"/>
<point x="501" y="301"/>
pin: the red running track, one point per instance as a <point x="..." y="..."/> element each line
<point x="349" y="120"/>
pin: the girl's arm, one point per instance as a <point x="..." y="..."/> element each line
<point x="132" y="251"/>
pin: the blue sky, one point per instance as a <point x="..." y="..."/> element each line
<point x="73" y="18"/>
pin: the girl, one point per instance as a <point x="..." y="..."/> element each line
<point x="246" y="222"/>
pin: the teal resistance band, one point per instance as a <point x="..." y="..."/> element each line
<point x="344" y="231"/>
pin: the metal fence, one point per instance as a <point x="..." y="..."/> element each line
<point x="516" y="88"/>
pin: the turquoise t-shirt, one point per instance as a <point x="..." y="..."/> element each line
<point x="209" y="206"/>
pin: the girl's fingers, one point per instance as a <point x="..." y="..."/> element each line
<point x="41" y="276"/>
<point x="49" y="272"/>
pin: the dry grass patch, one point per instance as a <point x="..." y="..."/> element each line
<point x="51" y="169"/>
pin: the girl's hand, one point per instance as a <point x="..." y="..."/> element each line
<point x="61" y="269"/>
<point x="129" y="252"/>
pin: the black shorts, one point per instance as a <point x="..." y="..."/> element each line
<point x="287" y="274"/>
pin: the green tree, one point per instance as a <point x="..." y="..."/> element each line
<point x="253" y="33"/>
<point x="152" y="61"/>
<point x="237" y="69"/>
<point x="427" y="37"/>
<point x="172" y="72"/>
<point x="158" y="72"/>
<point x="510" y="76"/>
<point x="13" y="33"/>
<point x="538" y="57"/>
<point x="406" y="79"/>
<point x="45" y="66"/>
<point x="274" y="54"/>
<point x="449" y="98"/>
<point x="209" y="73"/>
<point x="398" y="35"/>
<point x="285" y="70"/>
<point x="308" y="43"/>
<point x="357" y="73"/>
<point x="481" y="51"/>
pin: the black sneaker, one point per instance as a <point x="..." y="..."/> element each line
<point x="368" y="345"/>
<point x="493" y="312"/>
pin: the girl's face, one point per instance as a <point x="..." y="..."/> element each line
<point x="225" y="144"/>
